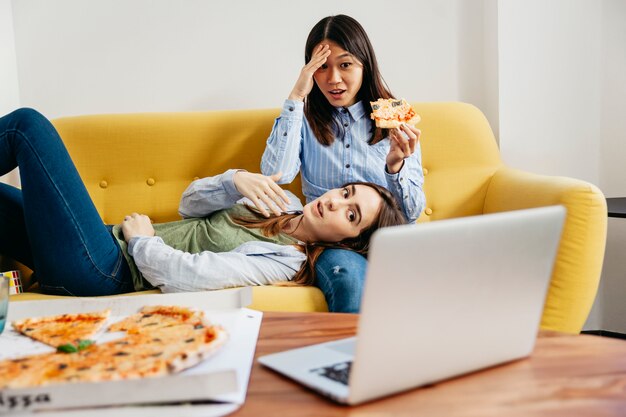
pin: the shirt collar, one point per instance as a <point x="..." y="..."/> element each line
<point x="357" y="110"/>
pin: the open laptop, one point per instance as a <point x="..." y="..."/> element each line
<point x="441" y="299"/>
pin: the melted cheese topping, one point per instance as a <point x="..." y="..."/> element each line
<point x="392" y="109"/>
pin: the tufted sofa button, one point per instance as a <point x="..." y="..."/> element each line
<point x="425" y="171"/>
<point x="104" y="184"/>
<point x="150" y="181"/>
<point x="428" y="211"/>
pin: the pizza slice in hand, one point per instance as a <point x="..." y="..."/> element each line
<point x="65" y="329"/>
<point x="391" y="113"/>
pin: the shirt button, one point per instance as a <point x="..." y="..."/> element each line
<point x="347" y="165"/>
<point x="428" y="211"/>
<point x="344" y="111"/>
<point x="104" y="184"/>
<point x="150" y="181"/>
<point x="347" y="145"/>
<point x="290" y="108"/>
<point x="425" y="171"/>
<point x="401" y="179"/>
<point x="346" y="124"/>
<point x="285" y="134"/>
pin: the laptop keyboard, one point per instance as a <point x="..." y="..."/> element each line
<point x="339" y="372"/>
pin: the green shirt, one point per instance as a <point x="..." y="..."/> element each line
<point x="215" y="233"/>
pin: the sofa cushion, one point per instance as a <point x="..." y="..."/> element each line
<point x="270" y="298"/>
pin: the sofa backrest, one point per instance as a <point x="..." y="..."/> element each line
<point x="459" y="157"/>
<point x="143" y="162"/>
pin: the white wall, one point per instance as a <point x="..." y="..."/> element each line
<point x="9" y="87"/>
<point x="613" y="98"/>
<point x="477" y="70"/>
<point x="166" y="55"/>
<point x="550" y="86"/>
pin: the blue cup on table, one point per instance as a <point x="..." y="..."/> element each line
<point x="4" y="301"/>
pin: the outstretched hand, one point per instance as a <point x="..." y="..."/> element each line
<point x="135" y="225"/>
<point x="402" y="145"/>
<point x="304" y="85"/>
<point x="263" y="191"/>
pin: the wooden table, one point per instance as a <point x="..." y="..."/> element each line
<point x="567" y="375"/>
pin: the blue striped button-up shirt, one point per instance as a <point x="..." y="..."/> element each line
<point x="292" y="147"/>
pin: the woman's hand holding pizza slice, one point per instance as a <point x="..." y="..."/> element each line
<point x="403" y="141"/>
<point x="400" y="118"/>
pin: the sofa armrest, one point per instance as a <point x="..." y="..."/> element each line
<point x="578" y="264"/>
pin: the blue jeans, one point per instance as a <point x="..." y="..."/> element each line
<point x="340" y="274"/>
<point x="51" y="225"/>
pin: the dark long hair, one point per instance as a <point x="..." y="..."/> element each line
<point x="350" y="36"/>
<point x="389" y="214"/>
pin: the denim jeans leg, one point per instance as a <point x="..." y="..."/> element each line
<point x="72" y="250"/>
<point x="13" y="236"/>
<point x="340" y="274"/>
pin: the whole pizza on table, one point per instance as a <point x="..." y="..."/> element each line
<point x="159" y="340"/>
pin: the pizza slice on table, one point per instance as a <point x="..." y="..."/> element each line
<point x="159" y="340"/>
<point x="154" y="318"/>
<point x="65" y="329"/>
<point x="391" y="113"/>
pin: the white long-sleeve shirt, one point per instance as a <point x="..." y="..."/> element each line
<point x="252" y="263"/>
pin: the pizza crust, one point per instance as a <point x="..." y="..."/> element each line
<point x="392" y="124"/>
<point x="185" y="360"/>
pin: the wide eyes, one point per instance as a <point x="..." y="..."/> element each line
<point x="343" y="65"/>
<point x="351" y="213"/>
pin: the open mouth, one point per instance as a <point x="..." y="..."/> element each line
<point x="336" y="94"/>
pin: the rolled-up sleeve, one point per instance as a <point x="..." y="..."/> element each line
<point x="210" y="194"/>
<point x="407" y="186"/>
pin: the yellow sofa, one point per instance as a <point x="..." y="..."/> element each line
<point x="143" y="162"/>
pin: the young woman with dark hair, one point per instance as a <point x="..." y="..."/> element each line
<point x="52" y="226"/>
<point x="325" y="133"/>
<point x="389" y="214"/>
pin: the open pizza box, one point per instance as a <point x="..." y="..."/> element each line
<point x="216" y="386"/>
